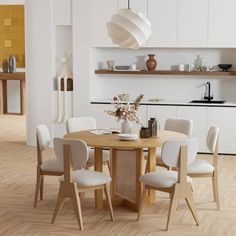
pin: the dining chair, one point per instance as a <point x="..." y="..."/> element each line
<point x="203" y="168"/>
<point x="177" y="154"/>
<point x="74" y="154"/>
<point x="87" y="123"/>
<point x="47" y="167"/>
<point x="184" y="126"/>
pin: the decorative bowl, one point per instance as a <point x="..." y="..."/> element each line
<point x="225" y="67"/>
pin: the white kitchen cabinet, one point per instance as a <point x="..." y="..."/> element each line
<point x="225" y="119"/>
<point x="192" y="22"/>
<point x="161" y="113"/>
<point x="178" y="23"/>
<point x="100" y="14"/>
<point x="222" y="18"/>
<point x="163" y="17"/>
<point x="203" y="118"/>
<point x="175" y="23"/>
<point x="62" y="12"/>
<point x="104" y="120"/>
<point x="199" y="116"/>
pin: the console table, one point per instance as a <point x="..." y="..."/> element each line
<point x="4" y="77"/>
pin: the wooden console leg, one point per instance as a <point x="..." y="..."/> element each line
<point x="4" y="96"/>
<point x="22" y="97"/>
<point x="1" y="97"/>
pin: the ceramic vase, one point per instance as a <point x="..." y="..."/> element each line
<point x="4" y="66"/>
<point x="151" y="63"/>
<point x="12" y="64"/>
<point x="126" y="127"/>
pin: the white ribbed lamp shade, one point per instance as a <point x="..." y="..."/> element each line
<point x="129" y="28"/>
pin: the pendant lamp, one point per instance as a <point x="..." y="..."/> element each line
<point x="129" y="28"/>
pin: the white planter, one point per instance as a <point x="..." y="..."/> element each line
<point x="126" y="127"/>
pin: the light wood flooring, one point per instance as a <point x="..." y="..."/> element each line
<point x="19" y="218"/>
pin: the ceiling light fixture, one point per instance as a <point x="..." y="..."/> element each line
<point x="129" y="28"/>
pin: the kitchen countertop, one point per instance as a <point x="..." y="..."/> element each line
<point x="171" y="103"/>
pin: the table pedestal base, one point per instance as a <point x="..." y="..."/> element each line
<point x="127" y="167"/>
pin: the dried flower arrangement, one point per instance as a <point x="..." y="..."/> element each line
<point x="126" y="111"/>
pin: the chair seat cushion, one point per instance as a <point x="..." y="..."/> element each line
<point x="161" y="179"/>
<point x="200" y="167"/>
<point x="52" y="165"/>
<point x="105" y="156"/>
<point x="88" y="178"/>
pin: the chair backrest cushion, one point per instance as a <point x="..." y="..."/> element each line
<point x="79" y="152"/>
<point x="171" y="151"/>
<point x="80" y="123"/>
<point x="212" y="138"/>
<point x="43" y="136"/>
<point x="180" y="125"/>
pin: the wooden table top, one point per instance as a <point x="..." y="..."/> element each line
<point x="12" y="76"/>
<point x="112" y="141"/>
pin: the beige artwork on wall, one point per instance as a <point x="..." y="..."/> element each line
<point x="12" y="40"/>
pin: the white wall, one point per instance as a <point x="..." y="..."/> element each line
<point x="39" y="66"/>
<point x="165" y="87"/>
<point x="13" y="96"/>
<point x="63" y="43"/>
<point x="81" y="59"/>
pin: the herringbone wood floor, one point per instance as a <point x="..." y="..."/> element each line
<point x="19" y="218"/>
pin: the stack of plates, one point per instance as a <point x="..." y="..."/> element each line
<point x="127" y="137"/>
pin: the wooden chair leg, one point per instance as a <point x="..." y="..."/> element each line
<point x="108" y="197"/>
<point x="146" y="168"/>
<point x="41" y="187"/>
<point x="173" y="206"/>
<point x="37" y="187"/>
<point x="76" y="205"/>
<point x="109" y="168"/>
<point x="60" y="200"/>
<point x="141" y="201"/>
<point x="191" y="205"/>
<point x="215" y="190"/>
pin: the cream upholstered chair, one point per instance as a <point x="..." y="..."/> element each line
<point x="183" y="126"/>
<point x="75" y="153"/>
<point x="202" y="168"/>
<point x="48" y="167"/>
<point x="176" y="154"/>
<point x="86" y="123"/>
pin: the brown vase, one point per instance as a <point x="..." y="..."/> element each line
<point x="151" y="62"/>
<point x="4" y="66"/>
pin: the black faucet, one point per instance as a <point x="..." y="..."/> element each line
<point x="208" y="97"/>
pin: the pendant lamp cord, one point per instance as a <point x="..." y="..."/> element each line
<point x="128" y="5"/>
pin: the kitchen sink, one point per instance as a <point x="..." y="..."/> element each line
<point x="208" y="101"/>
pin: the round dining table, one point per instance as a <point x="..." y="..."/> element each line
<point x="127" y="163"/>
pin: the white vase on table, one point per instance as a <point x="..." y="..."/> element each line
<point x="126" y="127"/>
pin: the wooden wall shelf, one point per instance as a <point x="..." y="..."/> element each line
<point x="167" y="72"/>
